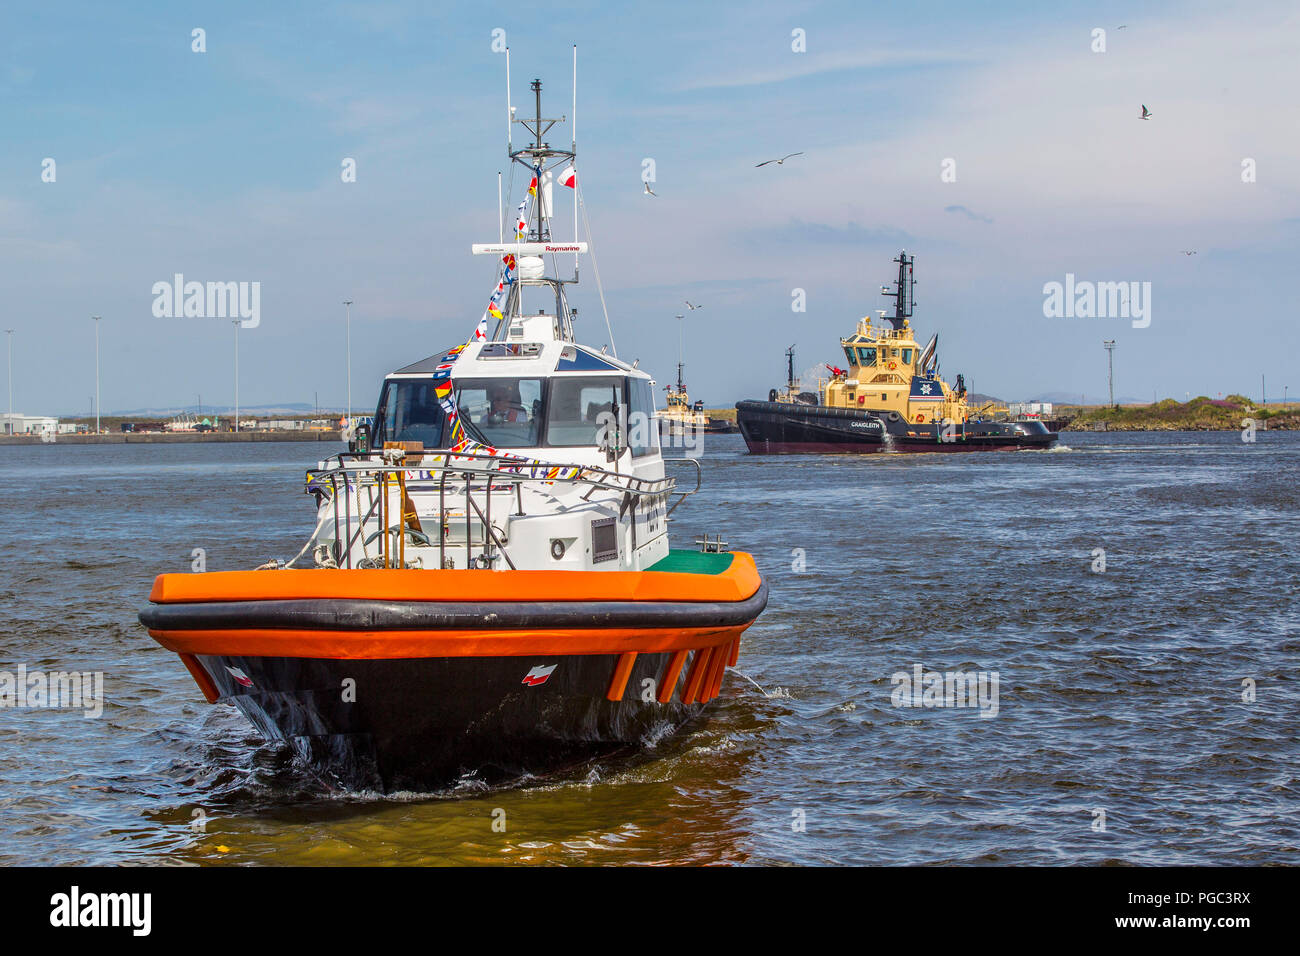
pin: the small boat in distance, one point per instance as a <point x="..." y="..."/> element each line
<point x="679" y="419"/>
<point x="493" y="592"/>
<point x="889" y="399"/>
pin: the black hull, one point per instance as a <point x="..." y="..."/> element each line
<point x="422" y="724"/>
<point x="783" y="428"/>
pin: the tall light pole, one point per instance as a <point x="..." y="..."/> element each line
<point x="9" y="337"/>
<point x="348" y="303"/>
<point x="96" y="318"/>
<point x="236" y="324"/>
<point x="1109" y="346"/>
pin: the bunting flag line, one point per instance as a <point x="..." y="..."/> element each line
<point x="457" y="441"/>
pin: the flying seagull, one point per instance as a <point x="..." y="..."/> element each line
<point x="1146" y="113"/>
<point x="1122" y="26"/>
<point x="1188" y="252"/>
<point x="649" y="191"/>
<point x="780" y="161"/>
<point x="692" y="307"/>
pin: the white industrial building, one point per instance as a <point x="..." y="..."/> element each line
<point x="19" y="424"/>
<point x="1030" y="409"/>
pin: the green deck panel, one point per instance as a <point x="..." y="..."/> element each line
<point x="682" y="561"/>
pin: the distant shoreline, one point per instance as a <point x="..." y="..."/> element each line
<point x="176" y="438"/>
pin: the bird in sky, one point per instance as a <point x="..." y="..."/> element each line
<point x="692" y="307"/>
<point x="1188" y="252"/>
<point x="780" y="161"/>
<point x="649" y="191"/>
<point x="1122" y="26"/>
<point x="1146" y="113"/>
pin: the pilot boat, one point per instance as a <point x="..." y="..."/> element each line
<point x="491" y="592"/>
<point x="889" y="399"/>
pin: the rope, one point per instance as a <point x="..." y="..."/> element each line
<point x="591" y="248"/>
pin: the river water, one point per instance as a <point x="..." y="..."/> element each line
<point x="1145" y="713"/>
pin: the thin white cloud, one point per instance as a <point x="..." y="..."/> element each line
<point x="799" y="65"/>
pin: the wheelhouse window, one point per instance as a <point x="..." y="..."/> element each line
<point x="643" y="427"/>
<point x="848" y="354"/>
<point x="506" y="412"/>
<point x="576" y="404"/>
<point x="907" y="356"/>
<point x="410" y="411"/>
<point x="868" y="356"/>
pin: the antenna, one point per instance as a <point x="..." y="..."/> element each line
<point x="679" y="353"/>
<point x="573" y="128"/>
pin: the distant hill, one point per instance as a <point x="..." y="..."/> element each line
<point x="289" y="409"/>
<point x="1075" y="398"/>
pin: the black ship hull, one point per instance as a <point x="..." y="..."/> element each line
<point x="418" y="725"/>
<point x="788" y="428"/>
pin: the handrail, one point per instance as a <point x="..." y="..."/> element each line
<point x="699" y="480"/>
<point x="505" y="468"/>
<point x="476" y="466"/>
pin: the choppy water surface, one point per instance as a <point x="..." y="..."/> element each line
<point x="1119" y="691"/>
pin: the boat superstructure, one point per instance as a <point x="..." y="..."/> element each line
<point x="889" y="398"/>
<point x="493" y="573"/>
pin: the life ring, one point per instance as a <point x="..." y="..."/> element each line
<point x="893" y="365"/>
<point x="919" y="419"/>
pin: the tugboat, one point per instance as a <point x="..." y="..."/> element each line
<point x="680" y="419"/>
<point x="681" y="422"/>
<point x="889" y="399"/>
<point x="493" y="592"/>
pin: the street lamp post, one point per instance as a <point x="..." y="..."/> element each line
<point x="236" y="324"/>
<point x="348" y="303"/>
<point x="1109" y="346"/>
<point x="96" y="318"/>
<point x="9" y="424"/>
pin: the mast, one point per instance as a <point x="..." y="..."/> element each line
<point x="790" y="382"/>
<point x="902" y="294"/>
<point x="681" y="356"/>
<point x="540" y="158"/>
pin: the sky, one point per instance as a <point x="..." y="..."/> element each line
<point x="224" y="165"/>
